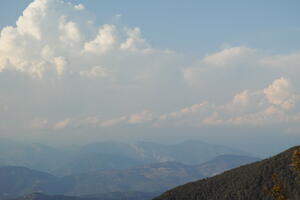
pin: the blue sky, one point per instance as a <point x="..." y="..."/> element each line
<point x="196" y="26"/>
<point x="224" y="72"/>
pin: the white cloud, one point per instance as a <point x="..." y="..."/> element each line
<point x="83" y="70"/>
<point x="188" y="116"/>
<point x="70" y="34"/>
<point x="226" y="65"/>
<point x="56" y="36"/>
<point x="38" y="42"/>
<point x="104" y="41"/>
<point x="241" y="98"/>
<point x="95" y="72"/>
<point x="247" y="66"/>
<point x="256" y="108"/>
<point x="229" y="56"/>
<point x="271" y="105"/>
<point x="280" y="93"/>
<point x="268" y="106"/>
<point x="134" y="41"/>
<point x="79" y="7"/>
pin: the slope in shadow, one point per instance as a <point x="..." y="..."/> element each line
<point x="276" y="178"/>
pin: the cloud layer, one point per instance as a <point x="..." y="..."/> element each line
<point x="275" y="104"/>
<point x="60" y="71"/>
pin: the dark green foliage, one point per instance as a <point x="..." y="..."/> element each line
<point x="251" y="182"/>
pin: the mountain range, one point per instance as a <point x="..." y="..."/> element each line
<point x="106" y="155"/>
<point x="275" y="178"/>
<point x="149" y="179"/>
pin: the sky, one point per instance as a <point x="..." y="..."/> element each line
<point x="164" y="71"/>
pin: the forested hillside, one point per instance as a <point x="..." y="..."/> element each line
<point x="276" y="178"/>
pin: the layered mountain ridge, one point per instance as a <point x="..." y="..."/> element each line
<point x="106" y="155"/>
<point x="151" y="178"/>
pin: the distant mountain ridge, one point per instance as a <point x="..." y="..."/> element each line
<point x="35" y="156"/>
<point x="276" y="178"/>
<point x="20" y="180"/>
<point x="188" y="152"/>
<point x="106" y="155"/>
<point x="151" y="178"/>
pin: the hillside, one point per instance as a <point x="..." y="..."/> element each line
<point x="224" y="162"/>
<point x="276" y="178"/>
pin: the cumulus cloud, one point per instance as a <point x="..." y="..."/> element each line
<point x="42" y="38"/>
<point x="134" y="41"/>
<point x="56" y="37"/>
<point x="104" y="41"/>
<point x="280" y="93"/>
<point x="58" y="56"/>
